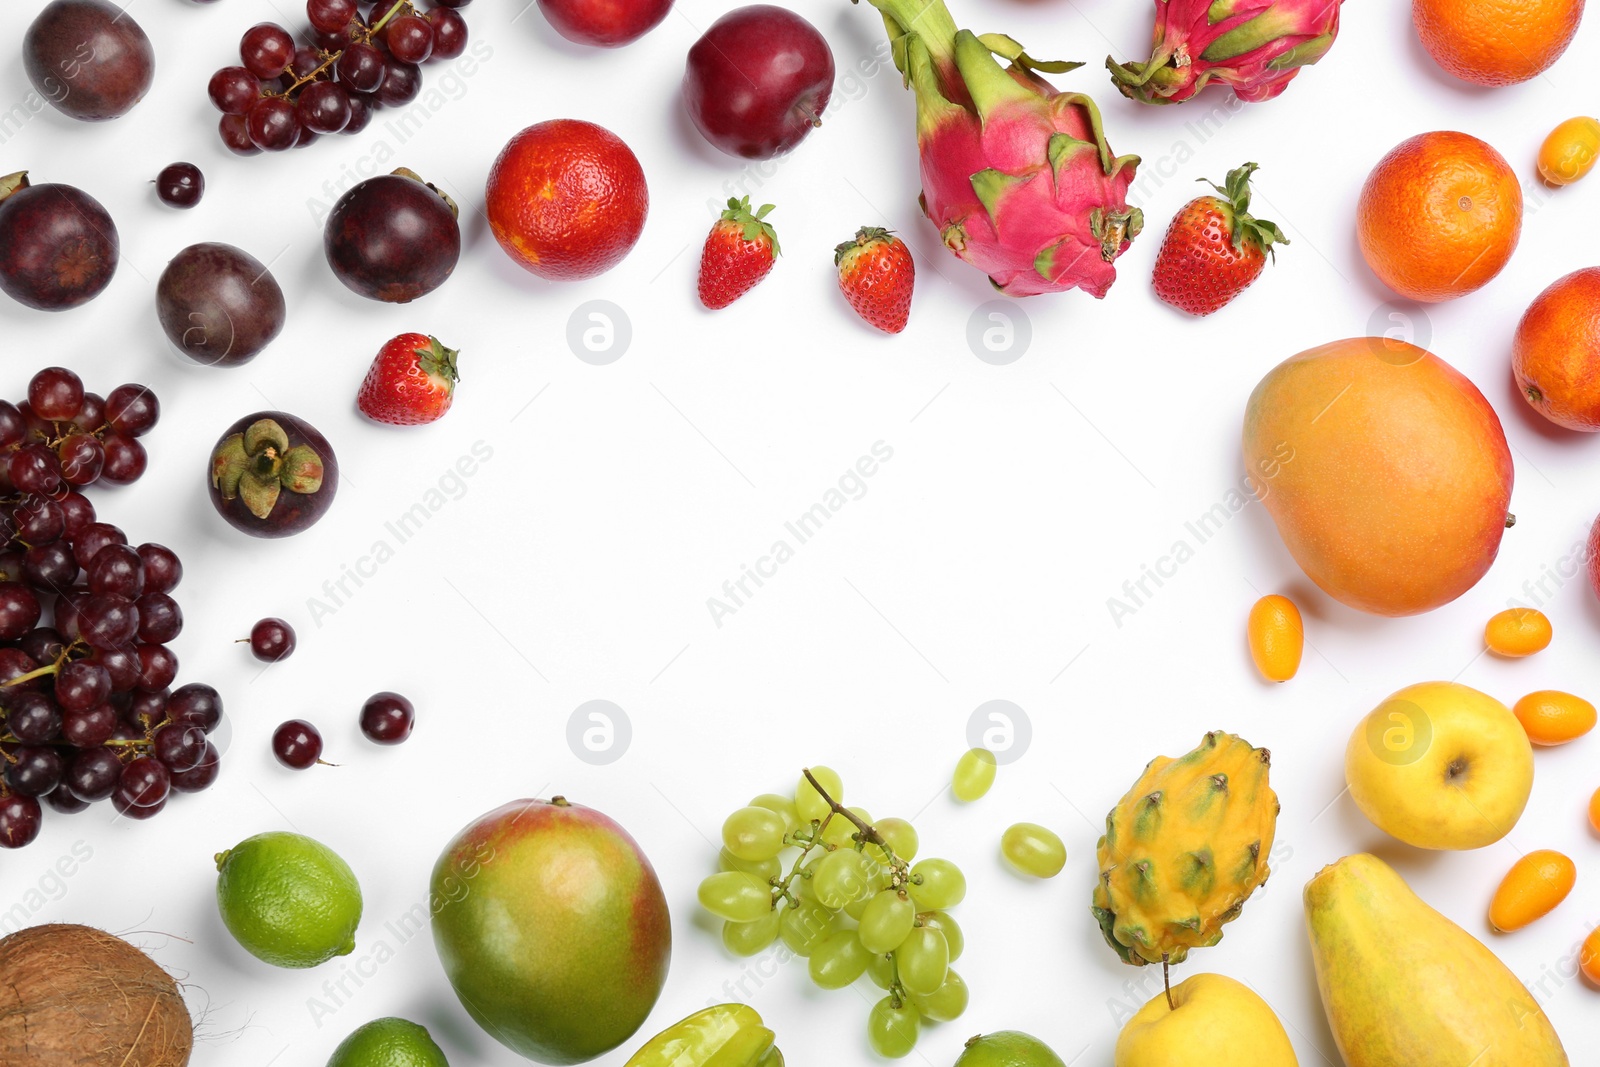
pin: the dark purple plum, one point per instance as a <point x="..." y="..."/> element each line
<point x="393" y="238"/>
<point x="88" y="58"/>
<point x="58" y="246"/>
<point x="219" y="305"/>
<point x="272" y="475"/>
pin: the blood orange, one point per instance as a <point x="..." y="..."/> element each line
<point x="567" y="199"/>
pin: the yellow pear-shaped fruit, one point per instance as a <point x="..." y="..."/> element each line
<point x="1401" y="984"/>
<point x="1212" y="1019"/>
<point x="1440" y="765"/>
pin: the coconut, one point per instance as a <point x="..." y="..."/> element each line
<point x="74" y="996"/>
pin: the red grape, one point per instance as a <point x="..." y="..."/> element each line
<point x="267" y="50"/>
<point x="233" y="90"/>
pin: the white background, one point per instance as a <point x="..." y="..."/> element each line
<point x="977" y="566"/>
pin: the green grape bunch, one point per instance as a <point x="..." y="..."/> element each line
<point x="843" y="892"/>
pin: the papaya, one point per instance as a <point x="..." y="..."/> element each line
<point x="1402" y="984"/>
<point x="1386" y="472"/>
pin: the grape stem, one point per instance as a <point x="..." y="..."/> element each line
<point x="48" y="668"/>
<point x="330" y="58"/>
<point x="868" y="832"/>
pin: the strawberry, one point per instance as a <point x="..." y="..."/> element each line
<point x="876" y="275"/>
<point x="412" y="381"/>
<point x="739" y="252"/>
<point x="1214" y="249"/>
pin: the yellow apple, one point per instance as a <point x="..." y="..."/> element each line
<point x="1214" y="1020"/>
<point x="1441" y="765"/>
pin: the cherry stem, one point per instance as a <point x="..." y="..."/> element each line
<point x="1166" y="983"/>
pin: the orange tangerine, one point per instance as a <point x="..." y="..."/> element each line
<point x="1552" y="717"/>
<point x="1439" y="216"/>
<point x="1532" y="888"/>
<point x="1277" y="637"/>
<point x="1517" y="632"/>
<point x="1569" y="152"/>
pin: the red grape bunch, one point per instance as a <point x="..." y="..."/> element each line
<point x="286" y="95"/>
<point x="86" y="708"/>
<point x="63" y="438"/>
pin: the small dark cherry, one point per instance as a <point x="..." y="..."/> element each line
<point x="387" y="718"/>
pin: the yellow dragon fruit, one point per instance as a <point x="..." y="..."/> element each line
<point x="1254" y="46"/>
<point x="1184" y="850"/>
<point x="1018" y="178"/>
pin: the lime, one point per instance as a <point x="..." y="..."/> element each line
<point x="388" y="1043"/>
<point x="289" y="900"/>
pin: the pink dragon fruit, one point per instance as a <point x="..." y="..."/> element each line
<point x="1255" y="46"/>
<point x="1018" y="177"/>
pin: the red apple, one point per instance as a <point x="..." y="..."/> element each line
<point x="758" y="81"/>
<point x="604" y="23"/>
<point x="552" y="929"/>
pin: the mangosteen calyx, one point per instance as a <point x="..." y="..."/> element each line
<point x="12" y="183"/>
<point x="258" y="464"/>
<point x="407" y="172"/>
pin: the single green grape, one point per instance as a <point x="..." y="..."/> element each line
<point x="746" y="939"/>
<point x="765" y="870"/>
<point x="857" y="907"/>
<point x="974" y="774"/>
<point x="888" y="918"/>
<point x="840" y="878"/>
<point x="946" y="1003"/>
<point x="840" y="831"/>
<point x="783" y="805"/>
<point x="942" y="885"/>
<point x="1032" y="849"/>
<point x="808" y="804"/>
<point x="806" y="927"/>
<point x="901" y="836"/>
<point x="754" y="833"/>
<point x="736" y="896"/>
<point x="881" y="970"/>
<point x="924" y="959"/>
<point x="804" y="886"/>
<point x="942" y="922"/>
<point x="892" y="1028"/>
<point x="839" y="960"/>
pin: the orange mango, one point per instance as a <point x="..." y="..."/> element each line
<point x="1385" y="469"/>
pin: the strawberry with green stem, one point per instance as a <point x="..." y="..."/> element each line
<point x="411" y="381"/>
<point x="739" y="252"/>
<point x="1214" y="248"/>
<point x="876" y="276"/>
